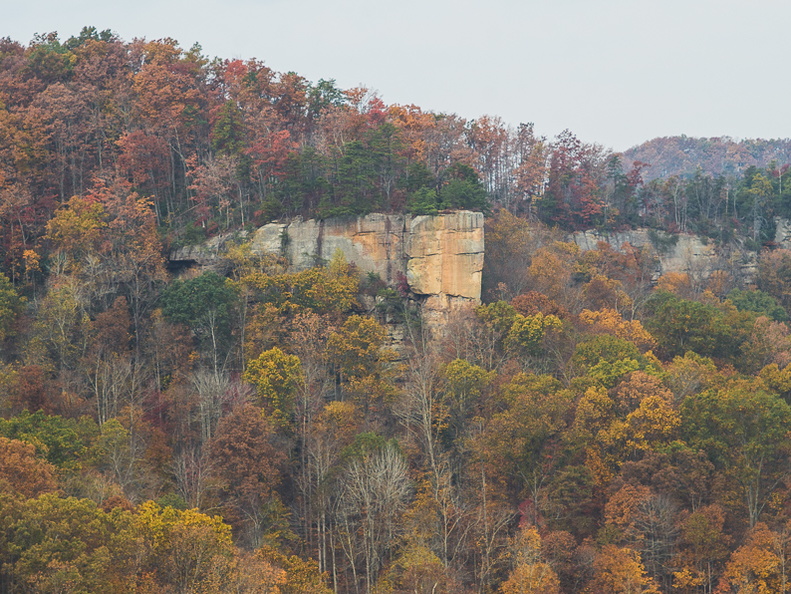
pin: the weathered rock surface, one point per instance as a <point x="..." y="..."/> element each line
<point x="445" y="254"/>
<point x="375" y="242"/>
<point x="440" y="256"/>
<point x="783" y="233"/>
<point x="683" y="252"/>
<point x="204" y="255"/>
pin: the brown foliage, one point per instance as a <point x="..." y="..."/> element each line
<point x="533" y="302"/>
<point x="35" y="389"/>
<point x="247" y="466"/>
<point x="21" y="472"/>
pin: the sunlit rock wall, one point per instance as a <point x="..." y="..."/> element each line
<point x="444" y="261"/>
<point x="440" y="256"/>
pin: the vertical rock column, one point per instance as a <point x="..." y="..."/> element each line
<point x="445" y="262"/>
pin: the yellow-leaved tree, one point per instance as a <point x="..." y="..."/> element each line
<point x="362" y="362"/>
<point x="760" y="566"/>
<point x="609" y="321"/>
<point x="531" y="573"/>
<point x="620" y="570"/>
<point x="277" y="377"/>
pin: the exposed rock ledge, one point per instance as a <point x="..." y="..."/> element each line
<point x="440" y="256"/>
<point x="681" y="252"/>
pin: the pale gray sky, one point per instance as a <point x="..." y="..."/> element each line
<point x="615" y="72"/>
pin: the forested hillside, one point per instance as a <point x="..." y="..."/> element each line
<point x="255" y="427"/>
<point x="683" y="156"/>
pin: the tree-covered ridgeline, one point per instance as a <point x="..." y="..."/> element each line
<point x="218" y="144"/>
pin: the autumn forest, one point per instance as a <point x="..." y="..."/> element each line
<point x="250" y="427"/>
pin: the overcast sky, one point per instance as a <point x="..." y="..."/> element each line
<point x="615" y="72"/>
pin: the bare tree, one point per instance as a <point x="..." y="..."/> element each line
<point x="193" y="470"/>
<point x="422" y="410"/>
<point x="376" y="489"/>
<point x="656" y="521"/>
<point x="110" y="381"/>
<point x="213" y="389"/>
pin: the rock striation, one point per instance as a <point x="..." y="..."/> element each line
<point x="444" y="261"/>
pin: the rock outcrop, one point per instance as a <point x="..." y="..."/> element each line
<point x="375" y="242"/>
<point x="681" y="252"/>
<point x="440" y="256"/>
<point x="783" y="233"/>
<point x="444" y="261"/>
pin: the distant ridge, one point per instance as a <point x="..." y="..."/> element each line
<point x="684" y="155"/>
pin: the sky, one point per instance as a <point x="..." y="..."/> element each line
<point x="615" y="72"/>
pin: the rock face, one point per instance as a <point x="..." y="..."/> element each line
<point x="445" y="254"/>
<point x="375" y="242"/>
<point x="783" y="233"/>
<point x="440" y="257"/>
<point x="444" y="261"/>
<point x="675" y="253"/>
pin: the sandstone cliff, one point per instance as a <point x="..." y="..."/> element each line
<point x="439" y="256"/>
<point x="681" y="252"/>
